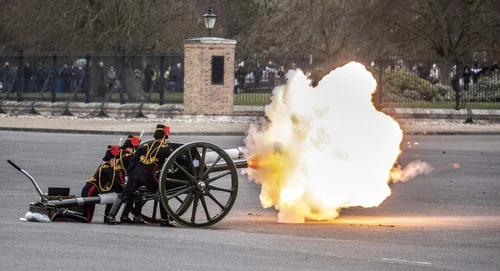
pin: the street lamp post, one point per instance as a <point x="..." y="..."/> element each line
<point x="209" y="19"/>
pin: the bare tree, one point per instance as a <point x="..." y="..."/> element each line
<point x="447" y="27"/>
<point x="325" y="28"/>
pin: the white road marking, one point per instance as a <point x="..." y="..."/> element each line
<point x="405" y="261"/>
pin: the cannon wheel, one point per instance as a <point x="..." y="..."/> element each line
<point x="155" y="216"/>
<point x="205" y="196"/>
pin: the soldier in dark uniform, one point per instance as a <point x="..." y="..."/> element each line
<point x="106" y="179"/>
<point x="144" y="164"/>
<point x="127" y="151"/>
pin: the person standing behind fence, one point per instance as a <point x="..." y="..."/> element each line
<point x="455" y="85"/>
<point x="148" y="78"/>
<point x="102" y="85"/>
<point x="179" y="78"/>
<point x="166" y="77"/>
<point x="241" y="73"/>
<point x="65" y="79"/>
<point x="79" y="77"/>
<point x="475" y="71"/>
<point x="16" y="78"/>
<point x="466" y="76"/>
<point x="434" y="74"/>
<point x="454" y="79"/>
<point x="257" y="73"/>
<point x="28" y="75"/>
<point x="281" y="75"/>
<point x="111" y="78"/>
<point x="156" y="77"/>
<point x="7" y="76"/>
<point x="271" y="71"/>
<point x="421" y="70"/>
<point x="40" y="78"/>
<point x="72" y="78"/>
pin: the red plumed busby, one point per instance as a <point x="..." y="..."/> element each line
<point x="131" y="142"/>
<point x="161" y="131"/>
<point x="111" y="152"/>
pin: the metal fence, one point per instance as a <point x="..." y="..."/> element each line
<point x="401" y="83"/>
<point x="120" y="77"/>
<point x="126" y="77"/>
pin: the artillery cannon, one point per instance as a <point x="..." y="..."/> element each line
<point x="198" y="185"/>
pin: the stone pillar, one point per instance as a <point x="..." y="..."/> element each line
<point x="209" y="76"/>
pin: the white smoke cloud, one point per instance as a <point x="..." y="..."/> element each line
<point x="325" y="148"/>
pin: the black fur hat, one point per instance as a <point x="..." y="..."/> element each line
<point x="161" y="131"/>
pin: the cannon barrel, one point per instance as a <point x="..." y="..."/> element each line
<point x="236" y="155"/>
<point x="107" y="198"/>
<point x="240" y="163"/>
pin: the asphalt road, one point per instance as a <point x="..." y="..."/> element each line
<point x="448" y="220"/>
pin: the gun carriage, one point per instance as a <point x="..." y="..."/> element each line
<point x="198" y="185"/>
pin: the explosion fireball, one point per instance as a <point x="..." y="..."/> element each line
<point x="325" y="148"/>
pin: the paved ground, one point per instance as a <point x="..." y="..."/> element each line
<point x="449" y="220"/>
<point x="202" y="126"/>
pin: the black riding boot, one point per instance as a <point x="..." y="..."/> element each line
<point x="106" y="212"/>
<point x="124" y="219"/>
<point x="107" y="209"/>
<point x="114" y="210"/>
<point x="138" y="213"/>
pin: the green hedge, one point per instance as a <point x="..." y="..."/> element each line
<point x="408" y="86"/>
<point x="486" y="90"/>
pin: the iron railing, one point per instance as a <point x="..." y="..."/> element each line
<point x="118" y="77"/>
<point x="400" y="83"/>
<point x="125" y="77"/>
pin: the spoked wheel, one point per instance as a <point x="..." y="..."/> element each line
<point x="151" y="211"/>
<point x="198" y="184"/>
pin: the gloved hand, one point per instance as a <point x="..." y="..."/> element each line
<point x="196" y="163"/>
<point x="126" y="179"/>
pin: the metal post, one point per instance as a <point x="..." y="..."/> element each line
<point x="380" y="83"/>
<point x="456" y="88"/>
<point x="86" y="80"/>
<point x="20" y="76"/>
<point x="54" y="77"/>
<point x="162" y="79"/>
<point x="170" y="64"/>
<point x="122" y="76"/>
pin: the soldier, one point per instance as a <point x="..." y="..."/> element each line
<point x="106" y="179"/>
<point x="127" y="151"/>
<point x="146" y="161"/>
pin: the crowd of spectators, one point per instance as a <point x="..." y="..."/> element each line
<point x="261" y="79"/>
<point x="465" y="78"/>
<point x="67" y="78"/>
